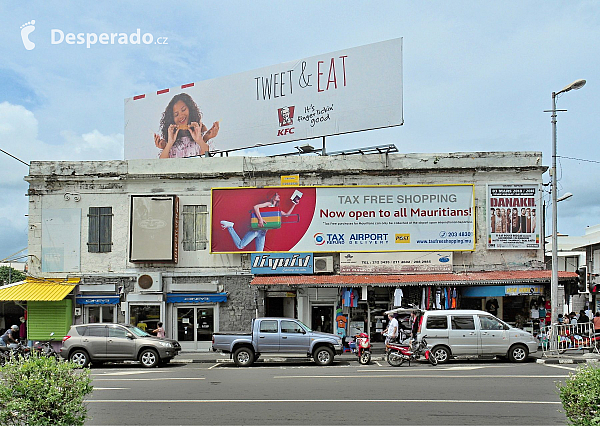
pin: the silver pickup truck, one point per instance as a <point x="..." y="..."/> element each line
<point x="278" y="335"/>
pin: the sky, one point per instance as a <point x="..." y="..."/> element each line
<point x="477" y="76"/>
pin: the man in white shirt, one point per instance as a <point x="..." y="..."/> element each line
<point x="391" y="332"/>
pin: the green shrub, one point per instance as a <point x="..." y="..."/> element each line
<point x="42" y="391"/>
<point x="580" y="396"/>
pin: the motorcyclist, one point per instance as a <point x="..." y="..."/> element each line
<point x="10" y="336"/>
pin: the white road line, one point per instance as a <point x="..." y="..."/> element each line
<point x="147" y="380"/>
<point x="433" y="376"/>
<point x="97" y="389"/>
<point x="130" y="372"/>
<point x="210" y="368"/>
<point x="320" y="401"/>
<point x="561" y="366"/>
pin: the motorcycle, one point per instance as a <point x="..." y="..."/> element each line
<point x="362" y="348"/>
<point x="15" y="351"/>
<point x="45" y="348"/>
<point x="397" y="353"/>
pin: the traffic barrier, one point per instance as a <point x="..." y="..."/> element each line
<point x="556" y="339"/>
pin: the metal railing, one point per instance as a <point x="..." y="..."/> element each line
<point x="556" y="339"/>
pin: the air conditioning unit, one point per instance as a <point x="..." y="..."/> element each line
<point x="148" y="282"/>
<point x="323" y="264"/>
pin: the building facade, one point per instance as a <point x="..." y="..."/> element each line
<point x="138" y="234"/>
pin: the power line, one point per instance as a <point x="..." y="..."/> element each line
<point x="578" y="159"/>
<point x="18" y="159"/>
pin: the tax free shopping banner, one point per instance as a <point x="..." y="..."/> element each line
<point x="340" y="92"/>
<point x="341" y="219"/>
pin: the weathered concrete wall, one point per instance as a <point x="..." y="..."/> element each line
<point x="61" y="185"/>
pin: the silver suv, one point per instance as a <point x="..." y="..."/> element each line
<point x="98" y="343"/>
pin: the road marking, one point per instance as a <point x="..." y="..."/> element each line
<point x="320" y="401"/>
<point x="130" y="372"/>
<point x="147" y="380"/>
<point x="216" y="365"/>
<point x="454" y="376"/>
<point x="110" y="388"/>
<point x="561" y="366"/>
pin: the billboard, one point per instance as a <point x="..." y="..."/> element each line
<point x="396" y="263"/>
<point x="513" y="216"/>
<point x="340" y="92"/>
<point x="342" y="218"/>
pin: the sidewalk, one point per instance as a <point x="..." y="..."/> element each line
<point x="378" y="354"/>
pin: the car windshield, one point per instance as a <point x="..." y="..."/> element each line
<point x="305" y="326"/>
<point x="137" y="331"/>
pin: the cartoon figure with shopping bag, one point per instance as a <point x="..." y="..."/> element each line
<point x="264" y="216"/>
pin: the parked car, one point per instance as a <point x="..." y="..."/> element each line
<point x="474" y="334"/>
<point x="278" y="335"/>
<point x="101" y="342"/>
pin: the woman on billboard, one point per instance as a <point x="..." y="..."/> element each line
<point x="182" y="133"/>
<point x="259" y="226"/>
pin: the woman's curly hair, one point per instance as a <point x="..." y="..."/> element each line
<point x="167" y="116"/>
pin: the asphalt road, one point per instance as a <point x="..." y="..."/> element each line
<point x="346" y="393"/>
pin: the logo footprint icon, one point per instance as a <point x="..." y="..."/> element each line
<point x="27" y="29"/>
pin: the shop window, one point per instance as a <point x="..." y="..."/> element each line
<point x="290" y="327"/>
<point x="268" y="326"/>
<point x="195" y="236"/>
<point x="463" y="323"/>
<point x="100" y="229"/>
<point x="437" y="323"/>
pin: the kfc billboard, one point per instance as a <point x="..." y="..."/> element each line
<point x="346" y="91"/>
<point x="341" y="219"/>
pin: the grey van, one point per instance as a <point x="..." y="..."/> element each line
<point x="472" y="333"/>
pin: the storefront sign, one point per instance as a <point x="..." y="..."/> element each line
<point x="345" y="91"/>
<point x="343" y="219"/>
<point x="282" y="263"/>
<point x="196" y="298"/>
<point x="97" y="300"/>
<point x="523" y="290"/>
<point x="513" y="221"/>
<point x="396" y="263"/>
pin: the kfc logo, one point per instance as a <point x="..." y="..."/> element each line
<point x="286" y="116"/>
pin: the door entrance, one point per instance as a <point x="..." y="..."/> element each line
<point x="195" y="326"/>
<point x="322" y="318"/>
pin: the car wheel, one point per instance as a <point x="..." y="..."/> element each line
<point x="323" y="356"/>
<point x="80" y="358"/>
<point x="243" y="357"/>
<point x="149" y="358"/>
<point x="441" y="353"/>
<point x="518" y="353"/>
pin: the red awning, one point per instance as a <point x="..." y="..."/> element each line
<point x="471" y="278"/>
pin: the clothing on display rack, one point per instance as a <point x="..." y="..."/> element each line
<point x="398" y="293"/>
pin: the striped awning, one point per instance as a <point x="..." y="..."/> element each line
<point x="38" y="289"/>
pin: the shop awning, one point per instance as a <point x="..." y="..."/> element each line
<point x="457" y="279"/>
<point x="38" y="289"/>
<point x="112" y="299"/>
<point x="196" y="297"/>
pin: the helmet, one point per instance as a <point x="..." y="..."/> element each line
<point x="15" y="328"/>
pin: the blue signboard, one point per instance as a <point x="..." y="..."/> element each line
<point x="281" y="263"/>
<point x="97" y="300"/>
<point x="196" y="297"/>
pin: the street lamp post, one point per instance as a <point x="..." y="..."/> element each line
<point x="578" y="84"/>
